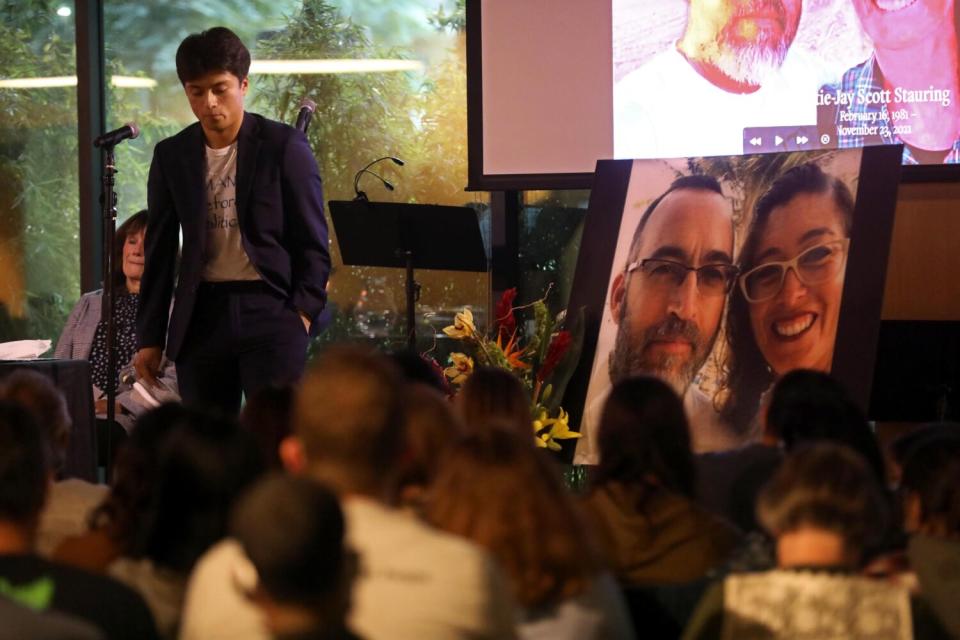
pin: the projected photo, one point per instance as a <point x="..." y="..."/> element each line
<point x="720" y="274"/>
<point x="722" y="77"/>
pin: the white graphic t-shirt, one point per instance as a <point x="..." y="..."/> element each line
<point x="226" y="258"/>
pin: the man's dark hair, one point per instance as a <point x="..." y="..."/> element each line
<point x="748" y="375"/>
<point x="24" y="465"/>
<point x="291" y="528"/>
<point x="348" y="414"/>
<point x="698" y="182"/>
<point x="644" y="434"/>
<point x="211" y="51"/>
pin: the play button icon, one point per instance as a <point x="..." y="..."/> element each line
<point x="777" y="140"/>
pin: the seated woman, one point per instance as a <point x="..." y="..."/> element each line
<point x="498" y="491"/>
<point x="825" y="508"/>
<point x="84" y="336"/>
<point x="784" y="312"/>
<point x="642" y="494"/>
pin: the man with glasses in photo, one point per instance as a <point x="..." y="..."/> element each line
<point x="668" y="300"/>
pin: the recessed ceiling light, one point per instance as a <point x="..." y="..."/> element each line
<point x="129" y="82"/>
<point x="365" y="65"/>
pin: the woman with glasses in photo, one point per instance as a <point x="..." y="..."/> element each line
<point x="785" y="306"/>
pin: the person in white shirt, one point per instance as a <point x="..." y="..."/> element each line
<point x="732" y="68"/>
<point x="414" y="581"/>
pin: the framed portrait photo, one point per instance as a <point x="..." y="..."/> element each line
<point x="720" y="274"/>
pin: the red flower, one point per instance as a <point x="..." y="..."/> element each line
<point x="506" y="322"/>
<point x="558" y="348"/>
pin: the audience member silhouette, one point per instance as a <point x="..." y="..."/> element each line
<point x="292" y="529"/>
<point x="807" y="406"/>
<point x="70" y="500"/>
<point x="170" y="502"/>
<point x="643" y="490"/>
<point x="430" y="427"/>
<point x="825" y="509"/>
<point x="494" y="396"/>
<point x="930" y="489"/>
<point x="25" y="472"/>
<point x="496" y="490"/>
<point x="415" y="582"/>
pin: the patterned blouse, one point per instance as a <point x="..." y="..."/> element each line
<point x="125" y="319"/>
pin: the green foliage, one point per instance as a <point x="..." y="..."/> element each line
<point x="419" y="117"/>
<point x="456" y="20"/>
<point x="549" y="246"/>
<point x="359" y="116"/>
<point x="39" y="220"/>
<point x="749" y="176"/>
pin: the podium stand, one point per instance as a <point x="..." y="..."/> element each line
<point x="409" y="237"/>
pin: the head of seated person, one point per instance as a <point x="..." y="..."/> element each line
<point x="348" y="423"/>
<point x="492" y="395"/>
<point x="430" y="428"/>
<point x="292" y="531"/>
<point x="903" y="445"/>
<point x="175" y="481"/>
<point x="807" y="406"/>
<point x="824" y="507"/>
<point x="930" y="487"/>
<point x="45" y="402"/>
<point x="495" y="489"/>
<point x="203" y="465"/>
<point x="24" y="478"/>
<point x="128" y="253"/>
<point x="644" y="438"/>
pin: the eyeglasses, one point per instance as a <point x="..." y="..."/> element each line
<point x="712" y="279"/>
<point x="813" y="266"/>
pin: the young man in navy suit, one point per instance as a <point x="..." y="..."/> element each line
<point x="246" y="193"/>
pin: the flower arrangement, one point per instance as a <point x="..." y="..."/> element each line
<point x="542" y="358"/>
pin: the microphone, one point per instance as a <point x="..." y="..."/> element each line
<point x="307" y="109"/>
<point x="112" y="138"/>
<point x="360" y="195"/>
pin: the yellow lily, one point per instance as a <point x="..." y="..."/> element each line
<point x="460" y="369"/>
<point x="553" y="429"/>
<point x="462" y="326"/>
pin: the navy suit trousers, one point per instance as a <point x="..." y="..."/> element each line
<point x="242" y="336"/>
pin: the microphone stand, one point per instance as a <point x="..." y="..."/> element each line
<point x="108" y="203"/>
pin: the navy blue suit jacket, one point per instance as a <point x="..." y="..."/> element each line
<point x="280" y="211"/>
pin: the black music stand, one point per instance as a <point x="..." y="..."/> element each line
<point x="408" y="236"/>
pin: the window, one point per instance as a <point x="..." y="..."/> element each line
<point x="39" y="220"/>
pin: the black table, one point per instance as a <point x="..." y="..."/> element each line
<point x="72" y="377"/>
